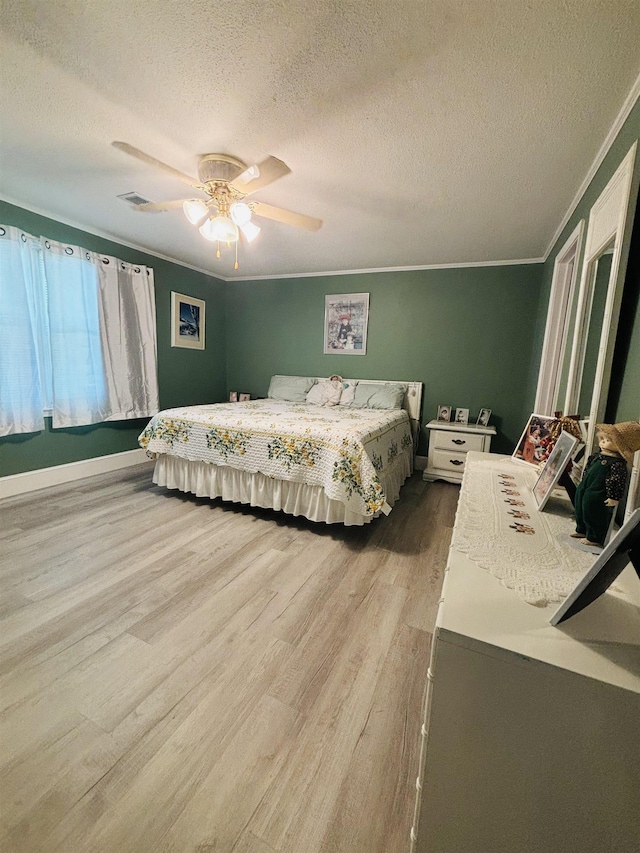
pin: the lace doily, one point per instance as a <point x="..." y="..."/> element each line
<point x="499" y="527"/>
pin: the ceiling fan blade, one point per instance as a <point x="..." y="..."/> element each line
<point x="156" y="207"/>
<point x="146" y="158"/>
<point x="289" y="217"/>
<point x="269" y="170"/>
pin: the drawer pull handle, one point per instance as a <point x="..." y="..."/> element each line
<point x="456" y="461"/>
<point x="458" y="441"/>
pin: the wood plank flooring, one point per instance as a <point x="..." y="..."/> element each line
<point x="179" y="674"/>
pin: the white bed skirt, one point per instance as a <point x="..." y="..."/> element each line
<point x="212" y="481"/>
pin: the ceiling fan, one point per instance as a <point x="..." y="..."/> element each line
<point x="225" y="182"/>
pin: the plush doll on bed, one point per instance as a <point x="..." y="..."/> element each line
<point x="332" y="390"/>
<point x="604" y="480"/>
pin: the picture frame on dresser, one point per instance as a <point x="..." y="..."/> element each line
<point x="624" y="548"/>
<point x="444" y="414"/>
<point x="559" y="458"/>
<point x="532" y="447"/>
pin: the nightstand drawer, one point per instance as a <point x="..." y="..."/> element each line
<point x="449" y="460"/>
<point x="458" y="441"/>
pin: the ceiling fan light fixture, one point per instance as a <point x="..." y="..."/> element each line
<point x="195" y="209"/>
<point x="250" y="230"/>
<point x="240" y="213"/>
<point x="219" y="229"/>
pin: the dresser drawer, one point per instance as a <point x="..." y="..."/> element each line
<point x="459" y="441"/>
<point x="449" y="460"/>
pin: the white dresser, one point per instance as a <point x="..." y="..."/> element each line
<point x="449" y="444"/>
<point x="530" y="737"/>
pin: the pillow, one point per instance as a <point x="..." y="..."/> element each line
<point x="327" y="392"/>
<point x="315" y="394"/>
<point x="378" y="396"/>
<point x="348" y="392"/>
<point x="292" y="388"/>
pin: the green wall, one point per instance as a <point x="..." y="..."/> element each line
<point x="466" y="333"/>
<point x="184" y="376"/>
<point x="625" y="391"/>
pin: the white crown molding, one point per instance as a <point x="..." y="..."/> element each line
<point x="389" y="269"/>
<point x="104" y="235"/>
<point x="622" y="116"/>
<point x="42" y="478"/>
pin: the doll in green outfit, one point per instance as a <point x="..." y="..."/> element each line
<point x="604" y="480"/>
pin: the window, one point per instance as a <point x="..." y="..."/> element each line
<point x="62" y="346"/>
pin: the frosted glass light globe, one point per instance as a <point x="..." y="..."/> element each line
<point x="219" y="228"/>
<point x="194" y="210"/>
<point x="250" y="230"/>
<point x="240" y="213"/>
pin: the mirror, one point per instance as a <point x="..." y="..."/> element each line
<point x="584" y="367"/>
<point x="556" y="350"/>
<point x="601" y="273"/>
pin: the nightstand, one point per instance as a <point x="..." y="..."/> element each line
<point x="449" y="444"/>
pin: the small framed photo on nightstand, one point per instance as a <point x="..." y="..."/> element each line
<point x="233" y="396"/>
<point x="483" y="417"/>
<point x="462" y="416"/>
<point x="444" y="414"/>
<point x="243" y="398"/>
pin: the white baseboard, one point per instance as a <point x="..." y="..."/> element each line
<point x="420" y="463"/>
<point x="30" y="481"/>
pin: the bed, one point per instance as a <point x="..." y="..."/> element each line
<point x="333" y="465"/>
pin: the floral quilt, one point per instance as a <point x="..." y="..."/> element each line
<point x="345" y="451"/>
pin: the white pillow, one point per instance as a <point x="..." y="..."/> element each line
<point x="291" y="388"/>
<point x="315" y="394"/>
<point x="325" y="393"/>
<point x="348" y="392"/>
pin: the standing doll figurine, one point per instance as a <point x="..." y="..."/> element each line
<point x="604" y="480"/>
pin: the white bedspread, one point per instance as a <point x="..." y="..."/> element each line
<point x="345" y="451"/>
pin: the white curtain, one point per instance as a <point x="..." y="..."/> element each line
<point x="77" y="336"/>
<point x="128" y="325"/>
<point x="79" y="384"/>
<point x="21" y="309"/>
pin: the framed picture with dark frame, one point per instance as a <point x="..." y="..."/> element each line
<point x="558" y="460"/>
<point x="187" y="321"/>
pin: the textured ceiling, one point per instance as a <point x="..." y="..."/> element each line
<point x="452" y="131"/>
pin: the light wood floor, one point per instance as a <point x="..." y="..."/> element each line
<point x="182" y="675"/>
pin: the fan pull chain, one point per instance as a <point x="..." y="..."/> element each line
<point x="235" y="266"/>
<point x="218" y="249"/>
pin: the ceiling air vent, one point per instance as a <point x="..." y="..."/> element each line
<point x="133" y="198"/>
